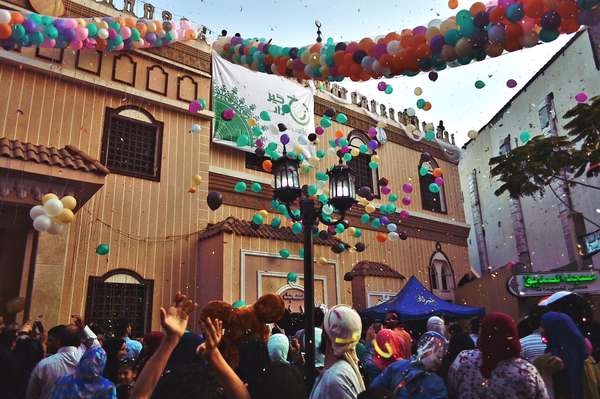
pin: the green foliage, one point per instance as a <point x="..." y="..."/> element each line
<point x="528" y="169"/>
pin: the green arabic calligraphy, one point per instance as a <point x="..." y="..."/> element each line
<point x="536" y="281"/>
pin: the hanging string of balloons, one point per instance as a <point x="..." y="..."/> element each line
<point x="28" y="29"/>
<point x="471" y="35"/>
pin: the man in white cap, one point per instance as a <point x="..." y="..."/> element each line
<point x="341" y="377"/>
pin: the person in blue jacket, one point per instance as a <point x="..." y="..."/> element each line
<point x="415" y="378"/>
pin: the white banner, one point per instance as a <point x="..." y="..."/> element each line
<point x="249" y="93"/>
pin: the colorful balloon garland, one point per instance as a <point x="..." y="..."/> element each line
<point x="471" y="35"/>
<point x="25" y="29"/>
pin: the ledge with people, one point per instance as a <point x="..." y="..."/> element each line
<point x="256" y="351"/>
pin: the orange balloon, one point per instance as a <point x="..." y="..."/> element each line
<point x="497" y="14"/>
<point x="381" y="237"/>
<point x="16" y="18"/>
<point x="494" y="49"/>
<point x="427" y="106"/>
<point x="339" y="134"/>
<point x="267" y="165"/>
<point x="316" y="48"/>
<point x="437" y="172"/>
<point x="101" y="44"/>
<point x="476" y="8"/>
<point x="192" y="190"/>
<point x="452" y="4"/>
<point x="142" y="28"/>
<point x="5" y="31"/>
<point x="130" y="22"/>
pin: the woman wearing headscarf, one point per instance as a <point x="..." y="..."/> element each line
<point x="87" y="382"/>
<point x="436" y="324"/>
<point x="388" y="347"/>
<point x="278" y="346"/>
<point x="341" y="377"/>
<point x="566" y="342"/>
<point x="495" y="370"/>
<point x="415" y="378"/>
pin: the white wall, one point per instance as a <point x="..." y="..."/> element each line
<point x="572" y="72"/>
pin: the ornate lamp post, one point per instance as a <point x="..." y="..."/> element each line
<point x="287" y="190"/>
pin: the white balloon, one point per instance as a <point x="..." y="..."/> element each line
<point x="393" y="236"/>
<point x="196" y="128"/>
<point x="410" y="112"/>
<point x="102" y="33"/>
<point x="4" y="16"/>
<point x="302" y="140"/>
<point x="393" y="47"/>
<point x="55" y="228"/>
<point x="392" y="227"/>
<point x="53" y="207"/>
<point x="42" y="223"/>
<point x="36" y="211"/>
<point x="472" y="134"/>
<point x="434" y="23"/>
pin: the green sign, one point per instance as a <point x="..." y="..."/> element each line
<point x="534" y="281"/>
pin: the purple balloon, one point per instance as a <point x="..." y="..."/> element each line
<point x="479" y="38"/>
<point x="372" y="131"/>
<point x="29" y="25"/>
<point x="587" y="17"/>
<point x="404" y="214"/>
<point x="331" y="229"/>
<point x="381" y="86"/>
<point x="285" y="139"/>
<point x="69" y="34"/>
<point x="150" y="37"/>
<point x="551" y="20"/>
<point x="496" y="34"/>
<point x="384" y="220"/>
<point x="373" y="144"/>
<point x="345" y="149"/>
<point x="436" y="43"/>
<point x="481" y="19"/>
<point x="407" y="188"/>
<point x="319" y="130"/>
<point x="112" y="34"/>
<point x="439" y="181"/>
<point x="379" y="50"/>
<point x="511" y="83"/>
<point x="260" y="143"/>
<point x="406" y="201"/>
<point x="420" y="31"/>
<point x="236" y="40"/>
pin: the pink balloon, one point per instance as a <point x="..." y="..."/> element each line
<point x="76" y="45"/>
<point x="407" y="188"/>
<point x="82" y="33"/>
<point x="406" y="201"/>
<point x="49" y="43"/>
<point x="439" y="181"/>
<point x="385" y="190"/>
<point x="125" y="32"/>
<point x="581" y="97"/>
<point x="404" y="214"/>
<point x="89" y="43"/>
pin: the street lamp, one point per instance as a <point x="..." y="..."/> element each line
<point x="287" y="190"/>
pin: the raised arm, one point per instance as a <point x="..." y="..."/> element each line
<point x="174" y="321"/>
<point x="213" y="332"/>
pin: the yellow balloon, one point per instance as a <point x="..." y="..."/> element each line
<point x="263" y="213"/>
<point x="375" y="158"/>
<point x="381" y="124"/>
<point x="323" y="260"/>
<point x="354" y="152"/>
<point x="48" y="196"/>
<point x="252" y="122"/>
<point x="196" y="180"/>
<point x="418" y="91"/>
<point x="370" y="208"/>
<point x="66" y="216"/>
<point x="69" y="202"/>
<point x="351" y="230"/>
<point x="362" y="201"/>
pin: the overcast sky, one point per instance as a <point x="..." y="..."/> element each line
<point x="453" y="96"/>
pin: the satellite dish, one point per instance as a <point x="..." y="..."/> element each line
<point x="54" y="8"/>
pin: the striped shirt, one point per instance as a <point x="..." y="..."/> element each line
<point x="532" y="346"/>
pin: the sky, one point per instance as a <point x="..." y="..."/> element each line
<point x="454" y="98"/>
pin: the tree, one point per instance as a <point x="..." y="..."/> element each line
<point x="529" y="169"/>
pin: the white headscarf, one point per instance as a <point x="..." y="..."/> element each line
<point x="437" y="325"/>
<point x="279" y="346"/>
<point x="343" y="327"/>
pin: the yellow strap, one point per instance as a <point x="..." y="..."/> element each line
<point x="380" y="352"/>
<point x="354" y="338"/>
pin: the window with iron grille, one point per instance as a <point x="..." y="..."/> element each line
<point x="119" y="294"/>
<point x="363" y="174"/>
<point x="132" y="143"/>
<point x="434" y="202"/>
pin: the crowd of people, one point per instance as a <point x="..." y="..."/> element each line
<point x="355" y="359"/>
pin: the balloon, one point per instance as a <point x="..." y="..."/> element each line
<point x="55" y="228"/>
<point x="66" y="216"/>
<point x="403" y="236"/>
<point x="36" y="211"/>
<point x="292" y="277"/>
<point x="525" y="136"/>
<point x="48" y="197"/>
<point x="297" y="228"/>
<point x="243" y="140"/>
<point x="381" y="237"/>
<point x="418" y="92"/>
<point x="256" y="187"/>
<point x="228" y="114"/>
<point x="581" y="97"/>
<point x="511" y="83"/>
<point x="434" y="188"/>
<point x="437" y="172"/>
<point x="479" y="84"/>
<point x="359" y="247"/>
<point x="196" y="128"/>
<point x="393" y="236"/>
<point x="284" y="253"/>
<point x="264" y="115"/>
<point x="53" y="207"/>
<point x="341" y="118"/>
<point x="392" y="227"/>
<point x="472" y="134"/>
<point x="381" y="86"/>
<point x="102" y="249"/>
<point x="69" y="202"/>
<point x="406" y="201"/>
<point x="258" y="219"/>
<point x="276" y="222"/>
<point x="240" y="187"/>
<point x="196" y="180"/>
<point x="214" y="200"/>
<point x="238" y="304"/>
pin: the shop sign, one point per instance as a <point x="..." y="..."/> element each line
<point x="523" y="285"/>
<point x="591" y="243"/>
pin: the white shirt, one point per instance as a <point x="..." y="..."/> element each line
<point x="337" y="382"/>
<point x="64" y="362"/>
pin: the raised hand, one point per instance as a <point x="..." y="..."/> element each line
<point x="213" y="333"/>
<point x="174" y="319"/>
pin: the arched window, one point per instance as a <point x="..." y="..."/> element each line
<point x="435" y="202"/>
<point x="364" y="175"/>
<point x="132" y="142"/>
<point x="120" y="294"/>
<point x="441" y="273"/>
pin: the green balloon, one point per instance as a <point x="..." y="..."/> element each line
<point x="322" y="176"/>
<point x="321" y="154"/>
<point x="357" y="232"/>
<point x="36" y="38"/>
<point x="264" y="115"/>
<point x="256" y="187"/>
<point x="421" y="103"/>
<point x="275" y="223"/>
<point x="341" y="118"/>
<point x="271" y="146"/>
<point x="238" y="304"/>
<point x="325" y="122"/>
<point x="364" y="218"/>
<point x="339" y="228"/>
<point x="525" y="136"/>
<point x="393" y="197"/>
<point x="93" y="30"/>
<point x="423" y="171"/>
<point x="19" y="32"/>
<point x="429" y="136"/>
<point x="135" y="34"/>
<point x="312" y="189"/>
<point x="47" y="20"/>
<point x="301" y="252"/>
<point x="258" y="219"/>
<point x="284" y="253"/>
<point x="434" y="188"/>
<point x="479" y="84"/>
<point x="292" y="277"/>
<point x="243" y="140"/>
<point x="388" y="89"/>
<point x="548" y="35"/>
<point x="373" y="165"/>
<point x="376" y="223"/>
<point x="36" y="18"/>
<point x="285" y="108"/>
<point x="391" y="208"/>
<point x="51" y="32"/>
<point x="363" y="149"/>
<point x="347" y="157"/>
<point x="102" y="249"/>
<point x="451" y="37"/>
<point x="343" y="142"/>
<point x="297" y="228"/>
<point x="240" y="187"/>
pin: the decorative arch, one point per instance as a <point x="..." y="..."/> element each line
<point x="157" y="79"/>
<point x="124" y="69"/>
<point x="187" y="88"/>
<point x="364" y="175"/>
<point x="126" y="276"/>
<point x="441" y="273"/>
<point x="434" y="202"/>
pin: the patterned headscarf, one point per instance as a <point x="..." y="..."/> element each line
<point x="431" y="349"/>
<point x="87" y="381"/>
<point x="388" y="347"/>
<point x="436" y="324"/>
<point x="279" y="346"/>
<point x="343" y="327"/>
<point x="498" y="341"/>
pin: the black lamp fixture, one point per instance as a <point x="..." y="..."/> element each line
<point x="287" y="190"/>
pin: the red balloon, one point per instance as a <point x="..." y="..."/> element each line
<point x="497" y="14"/>
<point x="569" y="25"/>
<point x="533" y="8"/>
<point x="567" y="9"/>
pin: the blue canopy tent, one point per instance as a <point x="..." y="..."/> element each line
<point x="416" y="302"/>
